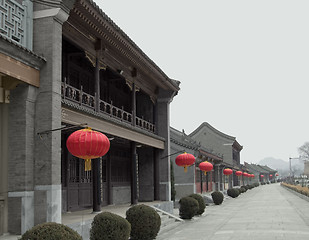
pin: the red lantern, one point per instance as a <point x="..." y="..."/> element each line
<point x="245" y="174"/>
<point x="252" y="175"/>
<point x="205" y="167"/>
<point x="277" y="174"/>
<point x="238" y="173"/>
<point x="227" y="171"/>
<point x="262" y="176"/>
<point x="88" y="144"/>
<point x="185" y="160"/>
<point x="270" y="175"/>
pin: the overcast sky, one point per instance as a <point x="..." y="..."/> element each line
<point x="243" y="66"/>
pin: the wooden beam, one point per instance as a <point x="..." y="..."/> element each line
<point x="18" y="70"/>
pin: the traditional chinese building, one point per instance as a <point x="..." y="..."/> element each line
<point x="221" y="144"/>
<point x="79" y="69"/>
<point x="194" y="180"/>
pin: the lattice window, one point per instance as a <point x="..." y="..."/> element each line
<point x="12" y="17"/>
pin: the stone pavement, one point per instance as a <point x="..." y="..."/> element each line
<point x="265" y="212"/>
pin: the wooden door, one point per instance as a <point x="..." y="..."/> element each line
<point x="79" y="185"/>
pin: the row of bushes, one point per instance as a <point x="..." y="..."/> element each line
<point x="235" y="192"/>
<point x="194" y="204"/>
<point x="191" y="206"/>
<point x="297" y="188"/>
<point x="264" y="183"/>
<point x="141" y="223"/>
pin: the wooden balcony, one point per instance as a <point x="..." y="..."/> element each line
<point x="86" y="100"/>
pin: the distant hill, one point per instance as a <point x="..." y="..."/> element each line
<point x="274" y="163"/>
<point x="283" y="167"/>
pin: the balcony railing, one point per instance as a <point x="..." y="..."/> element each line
<point x="87" y="100"/>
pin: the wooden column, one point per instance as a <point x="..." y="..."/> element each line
<point x="156" y="175"/>
<point x="133" y="173"/>
<point x="133" y="99"/>
<point x="96" y="199"/>
<point x="96" y="189"/>
<point x="109" y="180"/>
<point x="97" y="75"/>
<point x="133" y="146"/>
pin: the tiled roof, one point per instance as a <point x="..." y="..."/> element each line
<point x="3" y="38"/>
<point x="267" y="168"/>
<point x="127" y="38"/>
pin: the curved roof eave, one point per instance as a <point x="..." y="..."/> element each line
<point x="174" y="84"/>
<point x="205" y="124"/>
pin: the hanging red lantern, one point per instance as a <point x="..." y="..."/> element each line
<point x="88" y="144"/>
<point x="252" y="175"/>
<point x="270" y="175"/>
<point x="227" y="171"/>
<point x="205" y="167"/>
<point x="238" y="173"/>
<point x="185" y="160"/>
<point x="262" y="176"/>
<point x="245" y="174"/>
<point x="277" y="174"/>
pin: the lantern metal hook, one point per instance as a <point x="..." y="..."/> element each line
<point x="62" y="128"/>
<point x="173" y="154"/>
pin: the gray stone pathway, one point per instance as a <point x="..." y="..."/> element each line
<point x="265" y="212"/>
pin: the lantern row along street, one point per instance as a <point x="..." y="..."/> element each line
<point x="186" y="159"/>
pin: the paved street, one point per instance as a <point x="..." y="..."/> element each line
<point x="265" y="212"/>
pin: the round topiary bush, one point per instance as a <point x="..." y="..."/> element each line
<point x="145" y="222"/>
<point x="233" y="192"/>
<point x="217" y="197"/>
<point x="109" y="226"/>
<point x="188" y="207"/>
<point x="51" y="231"/>
<point x="201" y="203"/>
<point x="242" y="189"/>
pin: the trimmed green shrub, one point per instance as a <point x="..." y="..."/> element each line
<point x="217" y="197"/>
<point x="249" y="187"/>
<point x="109" y="226"/>
<point x="201" y="203"/>
<point x="188" y="207"/>
<point x="51" y="231"/>
<point x="145" y="222"/>
<point x="256" y="184"/>
<point x="242" y="189"/>
<point x="233" y="192"/>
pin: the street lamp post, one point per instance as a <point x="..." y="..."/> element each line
<point x="290" y="162"/>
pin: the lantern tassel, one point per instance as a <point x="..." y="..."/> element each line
<point x="87" y="164"/>
<point x="185" y="168"/>
<point x="205" y="173"/>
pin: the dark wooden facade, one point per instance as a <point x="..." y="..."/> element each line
<point x="109" y="81"/>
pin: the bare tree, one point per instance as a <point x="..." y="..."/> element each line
<point x="304" y="151"/>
